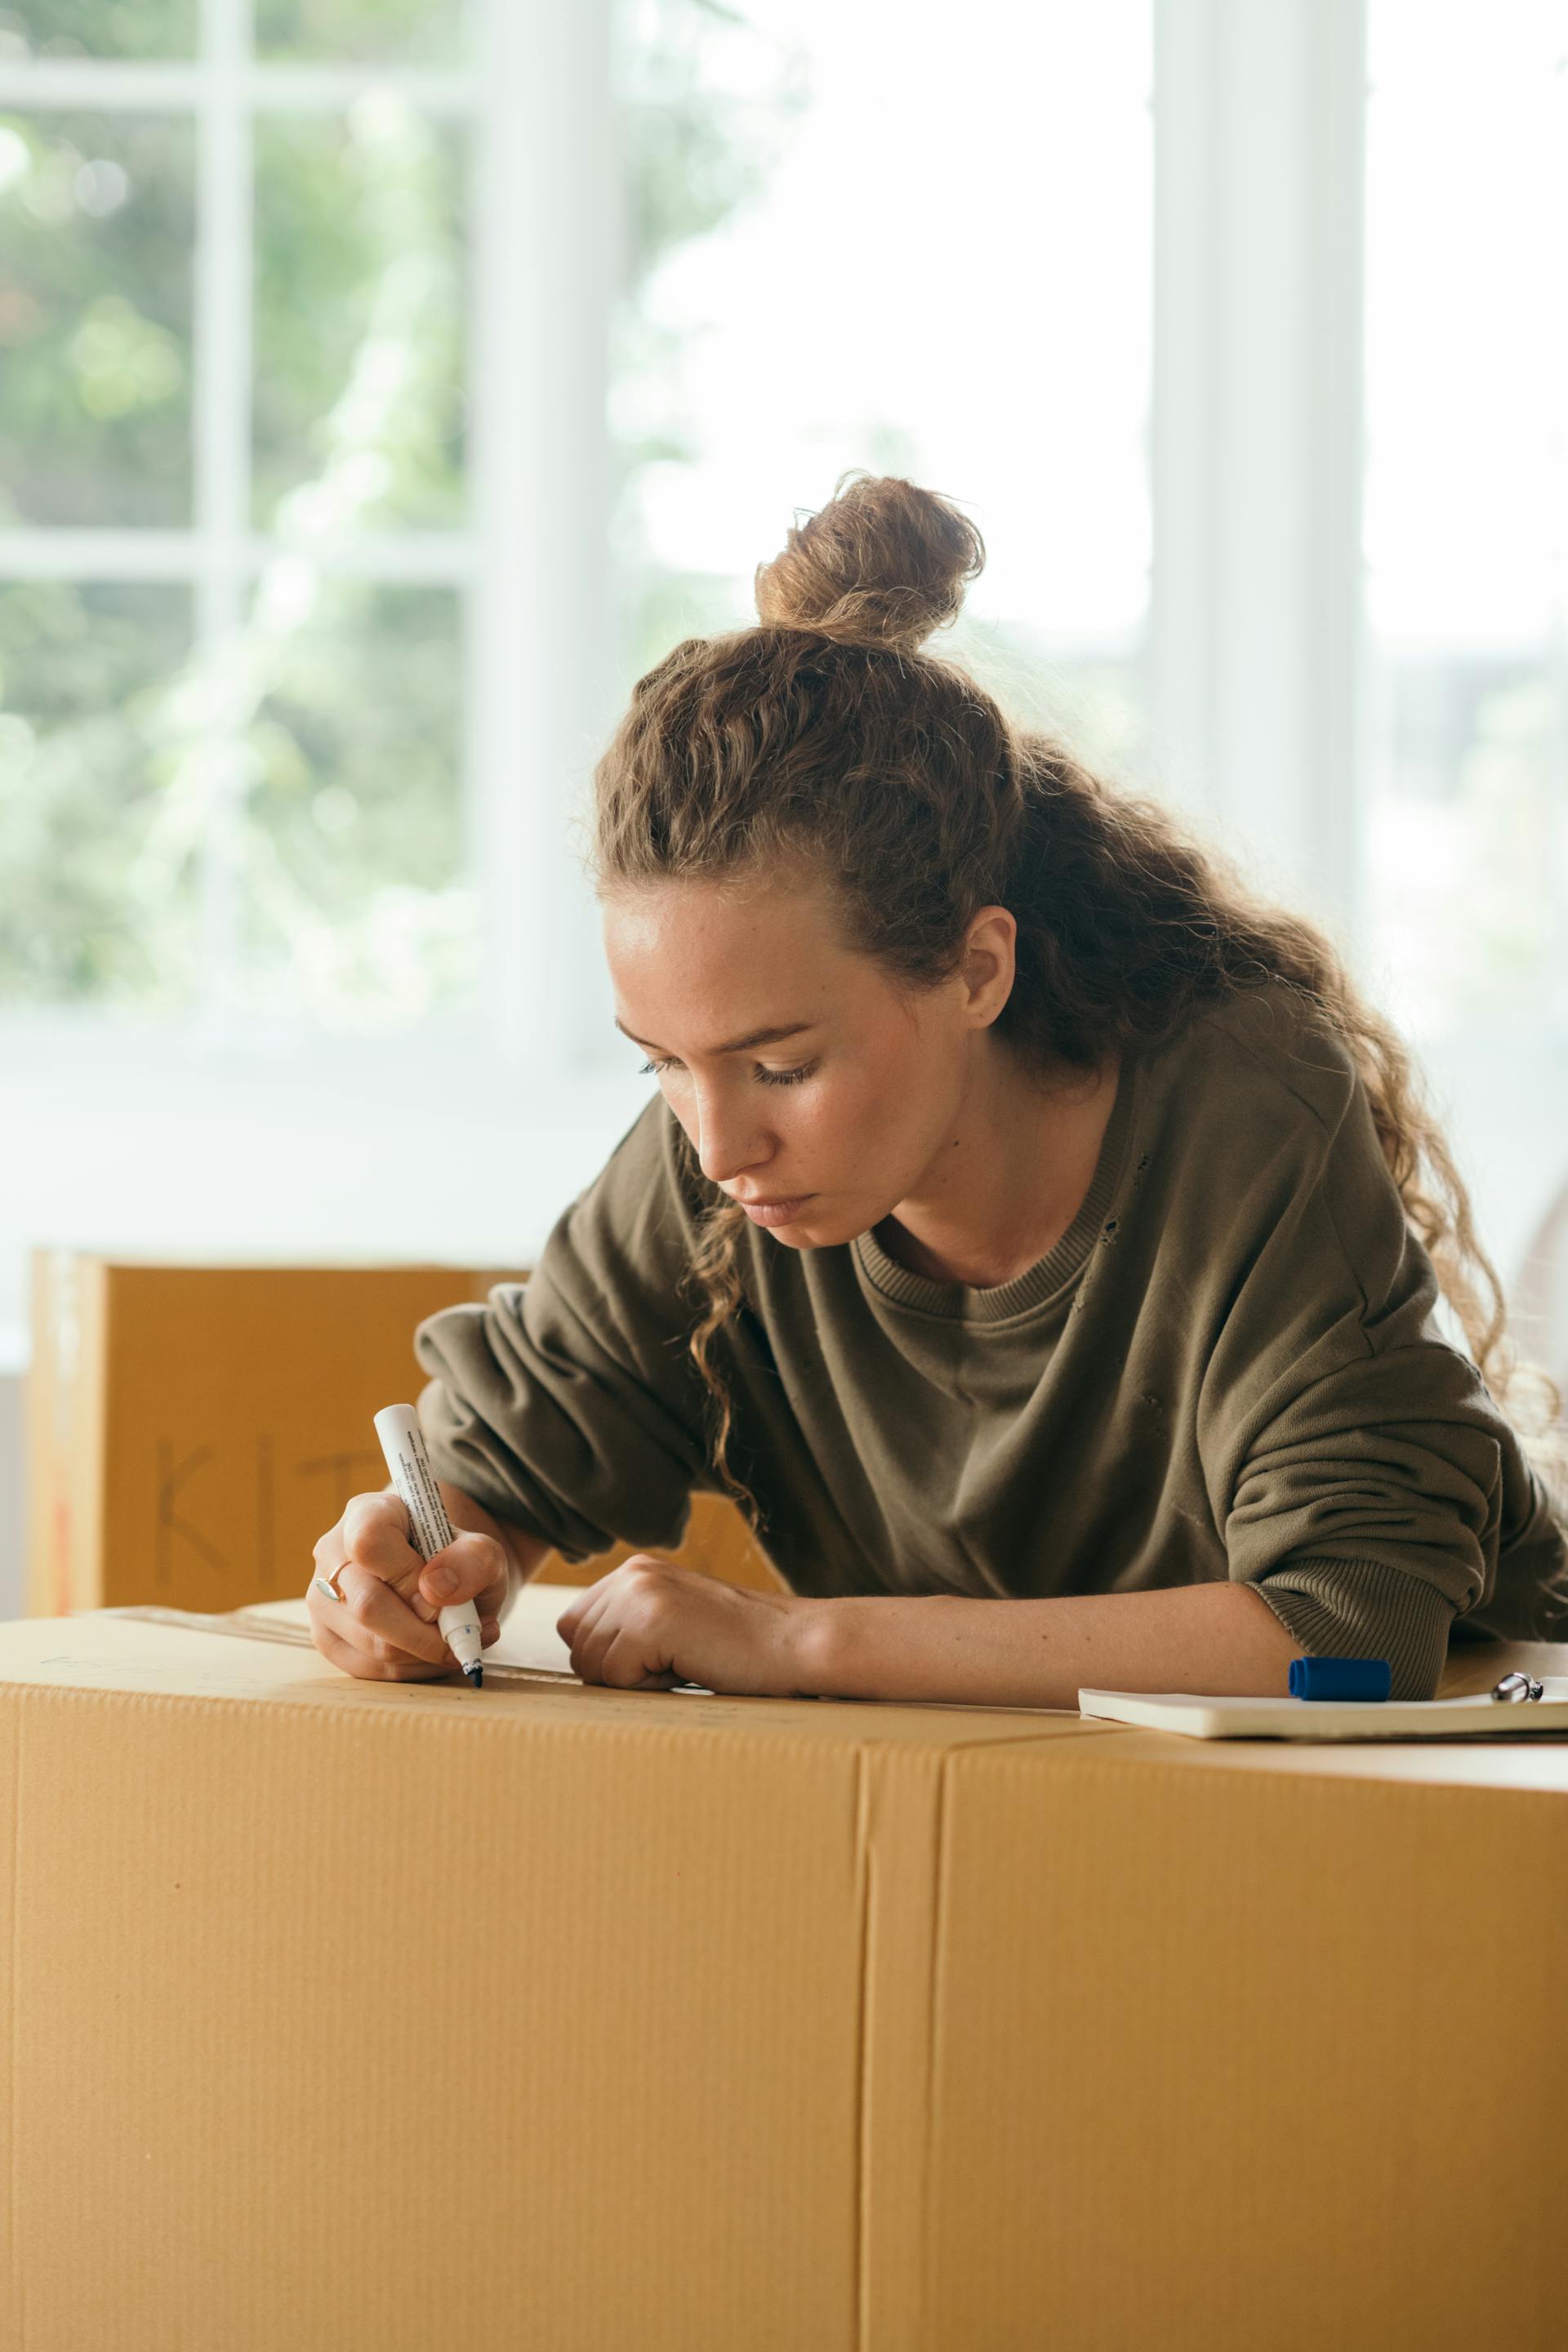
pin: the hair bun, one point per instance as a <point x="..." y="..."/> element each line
<point x="884" y="563"/>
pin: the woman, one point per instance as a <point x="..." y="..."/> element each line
<point x="1040" y="1235"/>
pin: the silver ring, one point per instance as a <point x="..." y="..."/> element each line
<point x="327" y="1585"/>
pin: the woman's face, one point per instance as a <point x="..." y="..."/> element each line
<point x="815" y="1091"/>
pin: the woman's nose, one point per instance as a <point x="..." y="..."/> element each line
<point x="727" y="1142"/>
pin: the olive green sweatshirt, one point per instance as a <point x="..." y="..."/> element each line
<point x="1228" y="1366"/>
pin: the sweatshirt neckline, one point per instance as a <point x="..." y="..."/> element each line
<point x="956" y="1301"/>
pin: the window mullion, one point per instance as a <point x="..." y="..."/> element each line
<point x="540" y="661"/>
<point x="1256" y="660"/>
<point x="222" y="460"/>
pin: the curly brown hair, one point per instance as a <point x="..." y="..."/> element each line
<point x="825" y="734"/>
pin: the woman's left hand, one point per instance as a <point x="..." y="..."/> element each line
<point x="649" y="1624"/>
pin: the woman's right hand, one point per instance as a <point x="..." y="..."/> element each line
<point x="384" y="1628"/>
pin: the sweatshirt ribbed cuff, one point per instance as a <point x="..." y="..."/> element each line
<point x="1361" y="1608"/>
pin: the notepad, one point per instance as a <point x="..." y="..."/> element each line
<point x="1477" y="1716"/>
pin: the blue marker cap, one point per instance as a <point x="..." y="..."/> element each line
<point x="1368" y="1678"/>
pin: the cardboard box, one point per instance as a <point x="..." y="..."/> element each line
<point x="353" y="2014"/>
<point x="192" y="1430"/>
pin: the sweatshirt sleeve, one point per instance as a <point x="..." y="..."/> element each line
<point x="568" y="1405"/>
<point x="1362" y="1477"/>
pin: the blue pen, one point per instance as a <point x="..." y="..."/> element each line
<point x="1360" y="1678"/>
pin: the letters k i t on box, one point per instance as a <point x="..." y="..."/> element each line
<point x="193" y="1429"/>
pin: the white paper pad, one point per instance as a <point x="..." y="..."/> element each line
<point x="1320" y="1718"/>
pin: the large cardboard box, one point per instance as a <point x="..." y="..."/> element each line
<point x="347" y="2014"/>
<point x="193" y="1429"/>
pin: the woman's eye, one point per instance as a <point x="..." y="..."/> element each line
<point x="767" y="1077"/>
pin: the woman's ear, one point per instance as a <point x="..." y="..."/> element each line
<point x="990" y="961"/>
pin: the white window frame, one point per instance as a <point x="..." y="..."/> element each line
<point x="1257" y="683"/>
<point x="531" y="566"/>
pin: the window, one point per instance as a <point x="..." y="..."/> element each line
<point x="236" y="545"/>
<point x="1465" y="833"/>
<point x="937" y="261"/>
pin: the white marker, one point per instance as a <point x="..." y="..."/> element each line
<point x="403" y="1442"/>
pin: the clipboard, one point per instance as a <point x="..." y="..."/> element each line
<point x="1477" y="1715"/>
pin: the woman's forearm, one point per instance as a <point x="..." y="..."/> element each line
<point x="1218" y="1639"/>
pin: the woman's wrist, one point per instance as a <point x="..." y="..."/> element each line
<point x="836" y="1641"/>
<point x="897" y="1646"/>
<point x="814" y="1643"/>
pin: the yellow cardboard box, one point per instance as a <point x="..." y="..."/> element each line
<point x="193" y="1429"/>
<point x="349" y="2014"/>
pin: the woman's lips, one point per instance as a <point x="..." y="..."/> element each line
<point x="776" y="1212"/>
